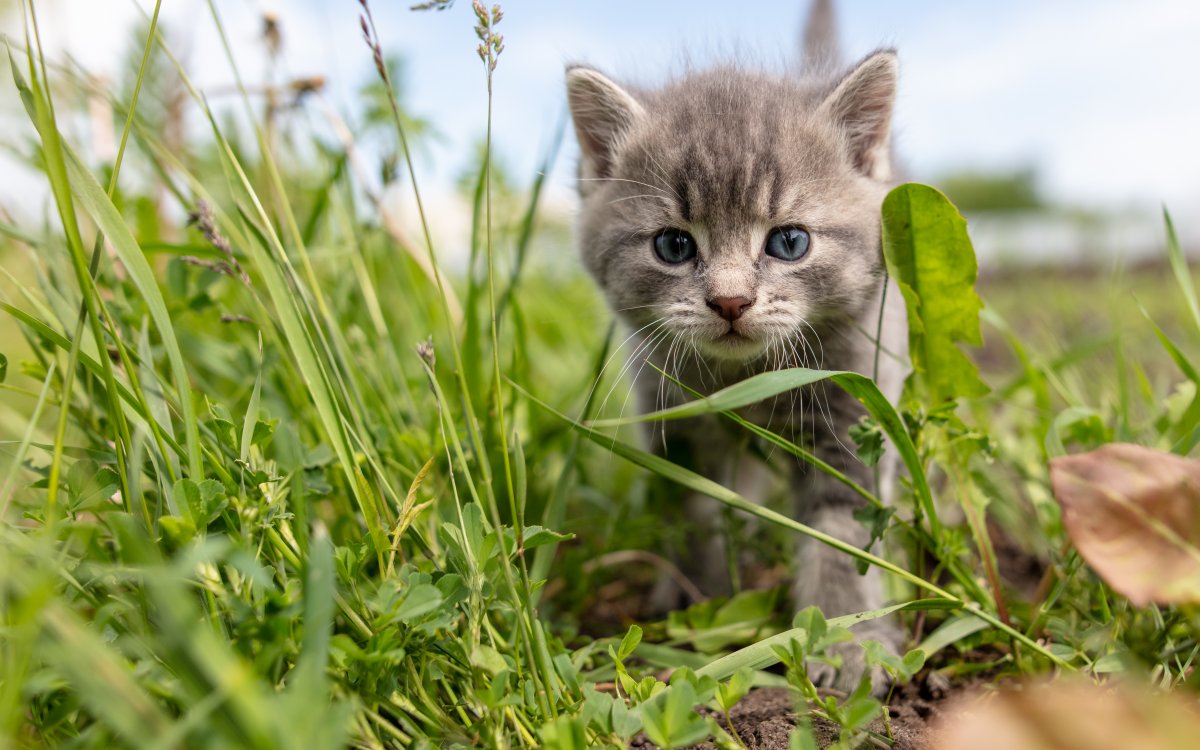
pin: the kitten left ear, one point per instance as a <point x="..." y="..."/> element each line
<point x="861" y="106"/>
<point x="603" y="112"/>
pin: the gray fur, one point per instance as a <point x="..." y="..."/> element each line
<point x="727" y="155"/>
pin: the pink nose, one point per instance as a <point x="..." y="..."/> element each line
<point x="730" y="308"/>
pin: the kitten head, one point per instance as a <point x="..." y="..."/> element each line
<point x="734" y="208"/>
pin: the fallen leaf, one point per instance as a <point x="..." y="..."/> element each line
<point x="1134" y="515"/>
<point x="1069" y="715"/>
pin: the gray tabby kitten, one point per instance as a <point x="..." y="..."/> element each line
<point x="732" y="219"/>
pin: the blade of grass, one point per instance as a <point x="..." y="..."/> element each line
<point x="952" y="563"/>
<point x="1186" y="430"/>
<point x="762" y="654"/>
<point x="92" y="364"/>
<point x="525" y="230"/>
<point x="950" y="632"/>
<point x="92" y="304"/>
<point x="40" y="109"/>
<point x="101" y="678"/>
<point x="531" y="633"/>
<point x="768" y="384"/>
<point x="325" y="326"/>
<point x="1183" y="275"/>
<point x="308" y="699"/>
<point x="26" y="440"/>
<point x="251" y="419"/>
<point x="94" y="200"/>
<point x="555" y="510"/>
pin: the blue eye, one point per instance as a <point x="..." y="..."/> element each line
<point x="674" y="246"/>
<point x="788" y="243"/>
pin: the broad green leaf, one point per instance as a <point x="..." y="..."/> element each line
<point x="812" y="621"/>
<point x="200" y="501"/>
<point x="474" y="530"/>
<point x="536" y="536"/>
<point x="420" y="600"/>
<point x="488" y="659"/>
<point x="736" y="688"/>
<point x="859" y="712"/>
<point x="624" y="722"/>
<point x="672" y="722"/>
<point x="178" y="529"/>
<point x="1119" y="661"/>
<point x="90" y="485"/>
<point x="929" y="254"/>
<point x="868" y="439"/>
<point x="902" y="668"/>
<point x="564" y="733"/>
<point x="629" y="642"/>
<point x="596" y="708"/>
<point x="1134" y="515"/>
<point x="913" y="661"/>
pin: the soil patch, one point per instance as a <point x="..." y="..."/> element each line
<point x="764" y="718"/>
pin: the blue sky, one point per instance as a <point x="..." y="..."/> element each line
<point x="1098" y="95"/>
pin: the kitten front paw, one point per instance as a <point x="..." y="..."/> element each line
<point x="845" y="679"/>
<point x="853" y="661"/>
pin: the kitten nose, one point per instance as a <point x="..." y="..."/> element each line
<point x="730" y="308"/>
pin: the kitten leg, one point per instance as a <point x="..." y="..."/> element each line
<point x="712" y="526"/>
<point x="829" y="578"/>
<point x="701" y="556"/>
<point x="702" y="552"/>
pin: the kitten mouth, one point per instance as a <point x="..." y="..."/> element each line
<point x="732" y="345"/>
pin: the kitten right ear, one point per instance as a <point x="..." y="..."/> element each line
<point x="861" y="105"/>
<point x="603" y="112"/>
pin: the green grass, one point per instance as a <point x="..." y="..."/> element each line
<point x="245" y="504"/>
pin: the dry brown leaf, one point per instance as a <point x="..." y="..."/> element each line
<point x="1134" y="515"/>
<point x="1070" y="715"/>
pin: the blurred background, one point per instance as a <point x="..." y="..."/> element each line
<point x="1061" y="129"/>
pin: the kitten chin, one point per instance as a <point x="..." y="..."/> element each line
<point x="732" y="347"/>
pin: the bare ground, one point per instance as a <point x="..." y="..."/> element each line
<point x="764" y="718"/>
